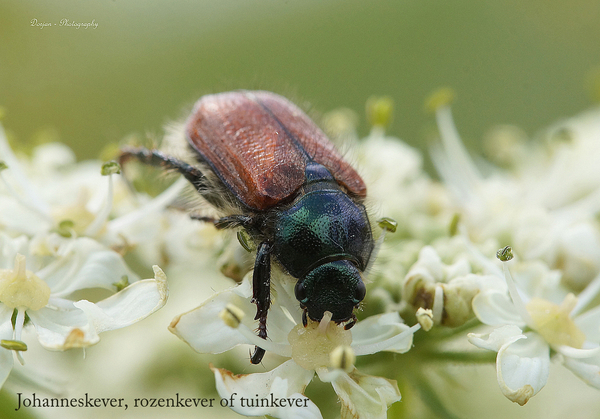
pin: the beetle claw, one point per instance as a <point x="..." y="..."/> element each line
<point x="351" y="323"/>
<point x="257" y="356"/>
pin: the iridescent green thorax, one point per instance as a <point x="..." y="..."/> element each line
<point x="324" y="226"/>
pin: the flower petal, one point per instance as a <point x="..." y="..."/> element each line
<point x="16" y="217"/>
<point x="61" y="328"/>
<point x="132" y="304"/>
<point x="498" y="338"/>
<point x="203" y="329"/>
<point x="285" y="312"/>
<point x="85" y="263"/>
<point x="522" y="364"/>
<point x="495" y="308"/>
<point x="523" y="368"/>
<point x="284" y="385"/>
<point x="363" y="396"/>
<point x="586" y="369"/>
<point x="379" y="328"/>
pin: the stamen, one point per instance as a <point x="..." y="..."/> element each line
<point x="232" y="315"/>
<point x="342" y="358"/>
<point x="454" y="147"/>
<point x="387" y="225"/>
<point x="589" y="293"/>
<point x="19" y="323"/>
<point x="425" y="318"/>
<point x="441" y="97"/>
<point x="13" y="345"/>
<point x="380" y="111"/>
<point x="327" y="316"/>
<point x="453" y="227"/>
<point x="267" y="345"/>
<point x="96" y="225"/>
<point x="505" y="254"/>
<point x="452" y="160"/>
<point x="159" y="203"/>
<point x="569" y="303"/>
<point x="576" y="353"/>
<point x="516" y="297"/>
<point x="60" y="303"/>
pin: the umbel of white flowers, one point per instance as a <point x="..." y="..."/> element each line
<point x="49" y="253"/>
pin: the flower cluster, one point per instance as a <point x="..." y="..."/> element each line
<point x="62" y="272"/>
<point x="542" y="198"/>
<point x="69" y="233"/>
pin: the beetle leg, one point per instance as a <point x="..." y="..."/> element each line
<point x="233" y="221"/>
<point x="203" y="218"/>
<point x="159" y="159"/>
<point x="304" y="318"/>
<point x="261" y="296"/>
<point x="351" y="323"/>
<point x="230" y="221"/>
<point x="257" y="356"/>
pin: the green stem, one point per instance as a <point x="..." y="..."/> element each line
<point x="447" y="332"/>
<point x="470" y="357"/>
<point x="431" y="400"/>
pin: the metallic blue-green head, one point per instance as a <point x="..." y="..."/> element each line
<point x="334" y="286"/>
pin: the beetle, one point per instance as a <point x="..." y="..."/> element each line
<point x="270" y="170"/>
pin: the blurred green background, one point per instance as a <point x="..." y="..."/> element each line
<point x="510" y="61"/>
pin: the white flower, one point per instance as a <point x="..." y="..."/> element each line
<point x="552" y="316"/>
<point x="445" y="289"/>
<point x="545" y="205"/>
<point x="400" y="188"/>
<point x="38" y="278"/>
<point x="51" y="192"/>
<point x="362" y="396"/>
